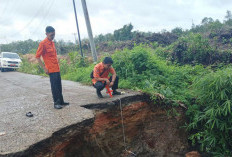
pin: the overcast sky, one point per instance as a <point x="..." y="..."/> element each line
<point x="27" y="19"/>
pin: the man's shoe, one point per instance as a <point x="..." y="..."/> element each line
<point x="57" y="105"/>
<point x="65" y="103"/>
<point x="99" y="94"/>
<point x="116" y="92"/>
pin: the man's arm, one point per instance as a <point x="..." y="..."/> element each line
<point x="100" y="79"/>
<point x="39" y="52"/>
<point x="42" y="65"/>
<point x="103" y="79"/>
<point x="112" y="71"/>
<point x="113" y="79"/>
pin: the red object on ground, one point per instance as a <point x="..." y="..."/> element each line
<point x="109" y="91"/>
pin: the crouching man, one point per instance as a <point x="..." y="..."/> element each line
<point x="101" y="78"/>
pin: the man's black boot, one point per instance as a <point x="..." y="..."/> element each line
<point x="116" y="92"/>
<point x="57" y="105"/>
<point x="65" y="103"/>
<point x="99" y="94"/>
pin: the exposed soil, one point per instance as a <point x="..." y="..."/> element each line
<point x="149" y="131"/>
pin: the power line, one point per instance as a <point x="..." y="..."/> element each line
<point x="32" y="19"/>
<point x="44" y="17"/>
<point x="5" y="8"/>
<point x="13" y="11"/>
<point x="45" y="12"/>
<point x="41" y="9"/>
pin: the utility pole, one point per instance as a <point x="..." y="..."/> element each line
<point x="74" y="7"/>
<point x="92" y="44"/>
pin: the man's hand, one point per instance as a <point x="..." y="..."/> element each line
<point x="42" y="65"/>
<point x="111" y="84"/>
<point x="107" y="82"/>
<point x="46" y="71"/>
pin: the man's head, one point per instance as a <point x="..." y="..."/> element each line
<point x="50" y="32"/>
<point x="107" y="62"/>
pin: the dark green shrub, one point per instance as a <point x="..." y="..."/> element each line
<point x="211" y="117"/>
<point x="192" y="49"/>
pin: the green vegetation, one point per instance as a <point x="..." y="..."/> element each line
<point x="191" y="67"/>
<point x="193" y="49"/>
<point x="78" y="69"/>
<point x="210" y="116"/>
<point x="31" y="68"/>
<point x="141" y="68"/>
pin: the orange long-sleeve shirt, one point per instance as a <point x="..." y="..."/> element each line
<point x="98" y="69"/>
<point x="47" y="50"/>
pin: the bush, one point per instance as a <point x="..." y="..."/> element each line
<point x="77" y="61"/>
<point x="141" y="68"/>
<point x="81" y="74"/>
<point x="192" y="49"/>
<point x="31" y="68"/>
<point x="211" y="117"/>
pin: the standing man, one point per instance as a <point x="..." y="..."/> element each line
<point x="47" y="50"/>
<point x="101" y="79"/>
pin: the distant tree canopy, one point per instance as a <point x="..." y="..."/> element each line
<point x="206" y="20"/>
<point x="177" y="31"/>
<point x="124" y="33"/>
<point x="228" y="15"/>
<point x="20" y="46"/>
<point x="111" y="41"/>
<point x="209" y="25"/>
<point x="30" y="46"/>
<point x="228" y="18"/>
<point x="63" y="47"/>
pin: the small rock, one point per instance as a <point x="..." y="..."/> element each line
<point x="2" y="133"/>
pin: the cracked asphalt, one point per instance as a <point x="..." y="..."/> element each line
<point x="21" y="93"/>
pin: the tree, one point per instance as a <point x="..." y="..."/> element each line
<point x="177" y="31"/>
<point x="22" y="47"/>
<point x="228" y="15"/>
<point x="207" y="20"/>
<point x="124" y="33"/>
<point x="228" y="18"/>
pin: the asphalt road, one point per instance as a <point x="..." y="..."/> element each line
<point x="21" y="93"/>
